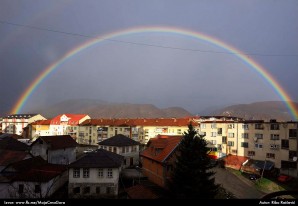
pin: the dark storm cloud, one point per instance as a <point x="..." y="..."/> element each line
<point x="34" y="34"/>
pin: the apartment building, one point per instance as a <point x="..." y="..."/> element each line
<point x="15" y="123"/>
<point x="257" y="139"/>
<point x="38" y="128"/>
<point x="93" y="131"/>
<point x="67" y="124"/>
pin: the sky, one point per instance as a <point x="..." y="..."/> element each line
<point x="160" y="68"/>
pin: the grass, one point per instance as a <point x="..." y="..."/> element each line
<point x="268" y="185"/>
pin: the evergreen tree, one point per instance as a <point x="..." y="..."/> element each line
<point x="192" y="174"/>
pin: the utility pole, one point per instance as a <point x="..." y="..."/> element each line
<point x="263" y="169"/>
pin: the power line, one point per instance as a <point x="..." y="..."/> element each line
<point x="144" y="44"/>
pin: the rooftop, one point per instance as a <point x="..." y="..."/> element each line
<point x="119" y="140"/>
<point x="99" y="158"/>
<point x="160" y="147"/>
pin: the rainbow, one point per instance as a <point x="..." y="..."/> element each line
<point x="174" y="30"/>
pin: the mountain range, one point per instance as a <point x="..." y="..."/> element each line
<point x="265" y="110"/>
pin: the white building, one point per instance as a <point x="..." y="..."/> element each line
<point x="14" y="124"/>
<point x="32" y="178"/>
<point x="95" y="175"/>
<point x="124" y="146"/>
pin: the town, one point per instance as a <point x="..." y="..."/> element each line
<point x="95" y="158"/>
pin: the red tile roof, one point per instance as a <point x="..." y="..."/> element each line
<point x="141" y="122"/>
<point x="73" y="119"/>
<point x="234" y="161"/>
<point x="10" y="156"/>
<point x="160" y="147"/>
<point x="43" y="173"/>
<point x="42" y="122"/>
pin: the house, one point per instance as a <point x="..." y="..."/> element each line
<point x="59" y="149"/>
<point x="32" y="178"/>
<point x="95" y="175"/>
<point x="124" y="146"/>
<point x="158" y="158"/>
<point x="14" y="123"/>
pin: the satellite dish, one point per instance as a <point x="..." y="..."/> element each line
<point x="295" y="159"/>
<point x="255" y="139"/>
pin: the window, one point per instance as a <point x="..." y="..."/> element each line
<point x="110" y="149"/>
<point x="110" y="190"/>
<point x="292" y="133"/>
<point x="245" y="126"/>
<point x="86" y="190"/>
<point x="259" y="136"/>
<point x="274" y="146"/>
<point x="219" y="131"/>
<point x="21" y="188"/>
<point x="114" y="149"/>
<point x="169" y="168"/>
<point x="76" y="173"/>
<point x="234" y="151"/>
<point x="86" y="172"/>
<point x="37" y="189"/>
<point x="123" y="149"/>
<point x="274" y="126"/>
<point x="244" y="144"/>
<point x="224" y="139"/>
<point x="230" y="143"/>
<point x="97" y="190"/>
<point x="274" y="136"/>
<point x="258" y="145"/>
<point x="244" y="135"/>
<point x="251" y="153"/>
<point x="230" y="134"/>
<point x="259" y="126"/>
<point x="270" y="155"/>
<point x="179" y="131"/>
<point x="213" y="142"/>
<point x="76" y="190"/>
<point x="231" y="126"/>
<point x="213" y="134"/>
<point x="126" y="149"/>
<point x="285" y="144"/>
<point x="213" y="125"/>
<point x="100" y="173"/>
<point x="110" y="173"/>
<point x="203" y="126"/>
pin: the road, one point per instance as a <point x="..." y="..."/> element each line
<point x="240" y="187"/>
